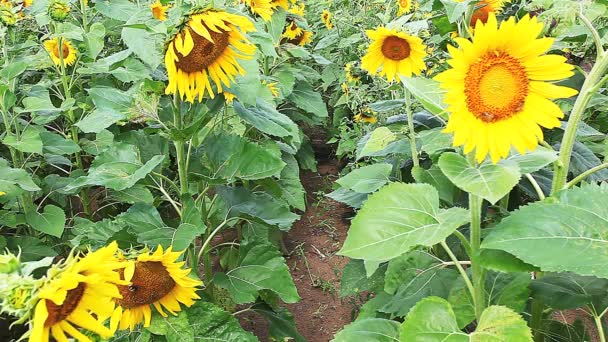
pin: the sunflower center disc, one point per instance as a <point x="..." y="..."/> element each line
<point x="151" y="281"/>
<point x="58" y="313"/>
<point x="496" y="87"/>
<point x="204" y="52"/>
<point x="403" y="3"/>
<point x="395" y="48"/>
<point x="65" y="50"/>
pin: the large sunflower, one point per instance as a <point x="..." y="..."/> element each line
<point x="263" y="8"/>
<point x="79" y="293"/>
<point x="497" y="91"/>
<point x="158" y="280"/>
<point x="67" y="50"/>
<point x="393" y="54"/>
<point x="208" y="46"/>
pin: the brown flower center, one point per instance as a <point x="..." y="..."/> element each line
<point x="204" y="52"/>
<point x="395" y="48"/>
<point x="496" y="87"/>
<point x="151" y="281"/>
<point x="65" y="50"/>
<point x="58" y="313"/>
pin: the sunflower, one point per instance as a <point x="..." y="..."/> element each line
<point x="292" y="31"/>
<point x="405" y="6"/>
<point x="78" y="293"/>
<point x="348" y="70"/>
<point x="159" y="11"/>
<point x="483" y="9"/>
<point x="345" y="89"/>
<point x="272" y="86"/>
<point x="67" y="51"/>
<point x="297" y="10"/>
<point x="229" y="97"/>
<point x="284" y="4"/>
<point x="366" y="116"/>
<point x="208" y="46"/>
<point x="395" y="53"/>
<point x="263" y="8"/>
<point x="27" y="3"/>
<point x="326" y="18"/>
<point x="158" y="280"/>
<point x="302" y="39"/>
<point x="497" y="91"/>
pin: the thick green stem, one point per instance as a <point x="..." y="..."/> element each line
<point x="477" y="271"/>
<point x="588" y="89"/>
<point x="536" y="319"/>
<point x="410" y="125"/>
<point x="600" y="327"/>
<point x="585" y="175"/>
<point x="25" y="199"/>
<point x="180" y="149"/>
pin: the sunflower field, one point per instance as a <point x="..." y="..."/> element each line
<point x="304" y="170"/>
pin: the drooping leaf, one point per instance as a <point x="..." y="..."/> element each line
<point x="15" y="177"/>
<point x="56" y="144"/>
<point x="367" y="179"/>
<point x="562" y="291"/>
<point x="267" y="119"/>
<point x="210" y="323"/>
<point x="407" y="267"/>
<point x="354" y="279"/>
<point x="173" y="327"/>
<point x="309" y="100"/>
<point x="428" y="92"/>
<point x="398" y="218"/>
<point x="51" y="221"/>
<point x="29" y="141"/>
<point x="568" y="233"/>
<point x="488" y="181"/>
<point x="281" y="324"/>
<point x="261" y="267"/>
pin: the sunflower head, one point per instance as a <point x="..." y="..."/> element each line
<point x="17" y="295"/>
<point x="156" y="279"/>
<point x="393" y="54"/>
<point x="291" y="31"/>
<point x="67" y="53"/>
<point x="159" y="11"/>
<point x="497" y="89"/>
<point x="296" y="10"/>
<point x="263" y="8"/>
<point x="405" y="6"/>
<point x="483" y="9"/>
<point x="296" y="35"/>
<point x="27" y="3"/>
<point x="284" y="4"/>
<point x="58" y="10"/>
<point x="345" y="89"/>
<point x="7" y="17"/>
<point x="79" y="292"/>
<point x="206" y="49"/>
<point x="350" y="77"/>
<point x="367" y="115"/>
<point x="326" y="18"/>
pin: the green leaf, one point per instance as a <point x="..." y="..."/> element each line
<point x="56" y="144"/>
<point x="111" y="99"/>
<point x="563" y="291"/>
<point x="407" y="267"/>
<point x="191" y="226"/>
<point x="434" y="140"/>
<point x="367" y="179"/>
<point x="488" y="181"/>
<point x="98" y="120"/>
<point x="496" y="324"/>
<point x="398" y="218"/>
<point x="304" y="97"/>
<point x="97" y="234"/>
<point x="281" y="324"/>
<point x="455" y="10"/>
<point x="293" y="190"/>
<point x="430" y="281"/>
<point x="532" y="161"/>
<point x="378" y="141"/>
<point x="135" y="194"/>
<point x="267" y="119"/>
<point x="369" y="330"/>
<point x="13" y="69"/>
<point x="28" y="142"/>
<point x="428" y="92"/>
<point x="120" y="10"/>
<point x="261" y="267"/>
<point x="508" y="289"/>
<point x="210" y="323"/>
<point x="31" y="248"/>
<point x="354" y="279"/>
<point x="95" y="39"/>
<point x="387" y="105"/>
<point x="241" y="201"/>
<point x="174" y="328"/>
<point x="19" y="177"/>
<point x="117" y="168"/>
<point x="144" y="221"/>
<point x="569" y="232"/>
<point x="144" y="43"/>
<point x="51" y="221"/>
<point x="435" y="177"/>
<point x="502" y="261"/>
<point x="233" y="157"/>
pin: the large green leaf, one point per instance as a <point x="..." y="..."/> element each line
<point x="293" y="190"/>
<point x="396" y="219"/>
<point x="144" y="42"/>
<point x="435" y="177"/>
<point x="354" y="279"/>
<point x="10" y="177"/>
<point x="488" y="181"/>
<point x="241" y="201"/>
<point x="174" y="328"/>
<point x="51" y="221"/>
<point x="118" y="168"/>
<point x="309" y="100"/>
<point x="369" y="330"/>
<point x="379" y="139"/>
<point x="568" y="233"/>
<point x="29" y="141"/>
<point x="99" y="119"/>
<point x="407" y="267"/>
<point x="233" y="157"/>
<point x="368" y="178"/>
<point x="261" y="267"/>
<point x="56" y="144"/>
<point x="267" y="119"/>
<point x="428" y="92"/>
<point x="281" y="324"/>
<point x="212" y="324"/>
<point x="432" y="319"/>
<point x="564" y="291"/>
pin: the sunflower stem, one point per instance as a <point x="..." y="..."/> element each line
<point x="536" y="319"/>
<point x="410" y="124"/>
<point x="461" y="270"/>
<point x="600" y="327"/>
<point x="477" y="271"/>
<point x="180" y="148"/>
<point x="594" y="78"/>
<point x="597" y="39"/>
<point x="585" y="174"/>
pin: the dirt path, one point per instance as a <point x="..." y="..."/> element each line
<point x="312" y="244"/>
